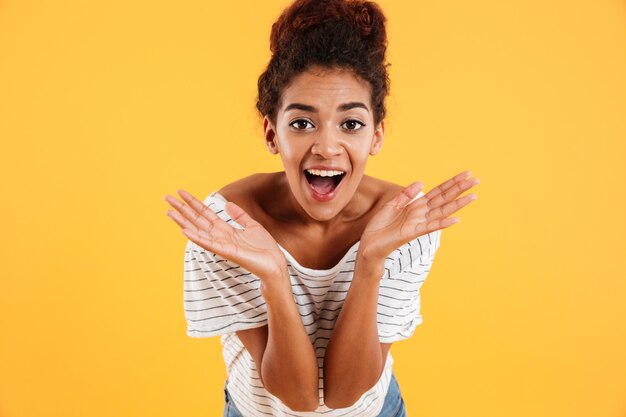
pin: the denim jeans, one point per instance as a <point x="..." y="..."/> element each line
<point x="392" y="407"/>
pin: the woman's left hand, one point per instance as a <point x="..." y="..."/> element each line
<point x="398" y="222"/>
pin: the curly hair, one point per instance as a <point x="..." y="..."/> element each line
<point x="345" y="34"/>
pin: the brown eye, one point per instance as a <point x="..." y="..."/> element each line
<point x="300" y="124"/>
<point x="353" y="124"/>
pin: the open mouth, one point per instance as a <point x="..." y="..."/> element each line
<point x="324" y="184"/>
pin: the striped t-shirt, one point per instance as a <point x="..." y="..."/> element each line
<point x="220" y="298"/>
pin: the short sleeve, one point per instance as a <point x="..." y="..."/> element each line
<point x="219" y="296"/>
<point x="399" y="291"/>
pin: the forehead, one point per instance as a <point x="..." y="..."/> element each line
<point x="324" y="85"/>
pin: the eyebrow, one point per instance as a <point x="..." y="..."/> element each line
<point x="342" y="107"/>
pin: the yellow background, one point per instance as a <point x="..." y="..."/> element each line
<point x="106" y="106"/>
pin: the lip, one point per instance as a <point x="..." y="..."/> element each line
<point x="324" y="197"/>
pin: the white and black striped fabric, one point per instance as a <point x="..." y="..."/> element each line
<point x="220" y="298"/>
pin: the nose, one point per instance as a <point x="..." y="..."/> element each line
<point x="326" y="144"/>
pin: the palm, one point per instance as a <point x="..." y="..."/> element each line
<point x="253" y="247"/>
<point x="390" y="225"/>
<point x="399" y="222"/>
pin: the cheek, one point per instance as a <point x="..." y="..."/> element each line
<point x="359" y="154"/>
<point x="292" y="154"/>
<point x="284" y="145"/>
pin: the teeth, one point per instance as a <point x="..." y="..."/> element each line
<point x="323" y="173"/>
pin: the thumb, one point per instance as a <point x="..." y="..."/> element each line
<point x="238" y="214"/>
<point x="408" y="194"/>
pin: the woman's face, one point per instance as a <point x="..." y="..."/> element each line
<point x="324" y="127"/>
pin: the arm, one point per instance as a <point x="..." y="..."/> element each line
<point x="288" y="364"/>
<point x="354" y="356"/>
<point x="281" y="349"/>
<point x="354" y="341"/>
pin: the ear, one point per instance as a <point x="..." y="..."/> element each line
<point x="269" y="132"/>
<point x="377" y="140"/>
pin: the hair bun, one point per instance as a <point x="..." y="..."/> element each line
<point x="363" y="20"/>
<point x="303" y="15"/>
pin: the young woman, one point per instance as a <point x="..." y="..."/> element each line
<point x="311" y="273"/>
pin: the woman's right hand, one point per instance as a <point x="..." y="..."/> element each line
<point x="253" y="248"/>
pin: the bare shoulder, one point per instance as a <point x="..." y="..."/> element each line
<point x="383" y="190"/>
<point x="244" y="191"/>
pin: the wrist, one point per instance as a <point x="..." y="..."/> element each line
<point x="369" y="268"/>
<point x="277" y="284"/>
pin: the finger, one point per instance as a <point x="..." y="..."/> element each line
<point x="190" y="214"/>
<point x="429" y="227"/>
<point x="449" y="208"/>
<point x="408" y="194"/>
<point x="452" y="192"/>
<point x="198" y="206"/>
<point x="447" y="184"/>
<point x="239" y="215"/>
<point x="181" y="221"/>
